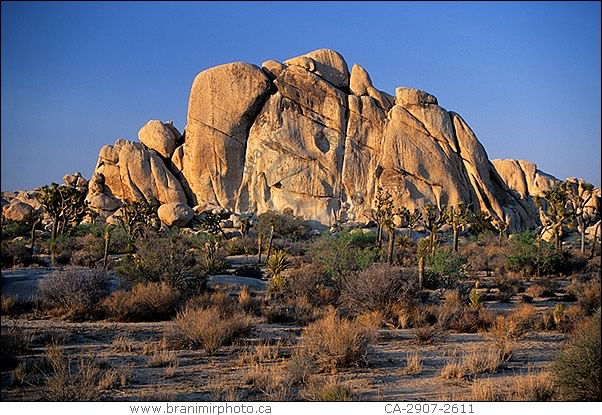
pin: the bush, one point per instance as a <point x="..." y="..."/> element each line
<point x="89" y="249"/>
<point x="15" y="254"/>
<point x="209" y="328"/>
<point x="444" y="269"/>
<point x="312" y="282"/>
<point x="533" y="257"/>
<point x="286" y="225"/>
<point x="577" y="366"/>
<point x="13" y="342"/>
<point x="587" y="294"/>
<point x="291" y="310"/>
<point x="151" y="301"/>
<point x="350" y="251"/>
<point x="242" y="246"/>
<point x="334" y="342"/>
<point x="12" y="230"/>
<point x="378" y="287"/>
<point x="166" y="259"/>
<point x="75" y="290"/>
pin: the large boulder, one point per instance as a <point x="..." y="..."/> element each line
<point x="18" y="211"/>
<point x="224" y="102"/>
<point x="175" y="214"/>
<point x="325" y="63"/>
<point x="308" y="136"/>
<point x="138" y="174"/>
<point x="158" y="136"/>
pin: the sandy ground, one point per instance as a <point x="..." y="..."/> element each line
<point x="223" y="376"/>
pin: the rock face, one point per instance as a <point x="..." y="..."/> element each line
<point x="306" y="134"/>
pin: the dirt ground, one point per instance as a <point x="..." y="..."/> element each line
<point x="191" y="375"/>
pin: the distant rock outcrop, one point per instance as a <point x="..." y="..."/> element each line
<point x="308" y="135"/>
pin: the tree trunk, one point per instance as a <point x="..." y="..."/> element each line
<point x="581" y="227"/>
<point x="391" y="246"/>
<point x="379" y="235"/>
<point x="596" y="229"/>
<point x="106" y="251"/>
<point x="33" y="237"/>
<point x="420" y="272"/>
<point x="259" y="240"/>
<point x="455" y="239"/>
<point x="270" y="242"/>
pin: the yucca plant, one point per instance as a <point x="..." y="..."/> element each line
<point x="276" y="265"/>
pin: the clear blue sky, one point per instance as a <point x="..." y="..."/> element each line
<point x="76" y="76"/>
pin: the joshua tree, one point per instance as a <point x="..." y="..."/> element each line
<point x="579" y="194"/>
<point x="457" y="217"/>
<point x="500" y="226"/>
<point x="137" y="217"/>
<point x="412" y="219"/>
<point x="433" y="218"/>
<point x="382" y="213"/>
<point x="554" y="211"/>
<point x="65" y="205"/>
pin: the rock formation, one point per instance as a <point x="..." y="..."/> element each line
<point x="307" y="134"/>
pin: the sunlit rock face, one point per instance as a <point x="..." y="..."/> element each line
<point x="309" y="135"/>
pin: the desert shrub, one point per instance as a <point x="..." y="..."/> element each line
<point x="163" y="259"/>
<point x="88" y="250"/>
<point x="535" y="386"/>
<point x="531" y="256"/>
<point x="241" y="246"/>
<point x="522" y="320"/>
<point x="577" y="365"/>
<point x="330" y="391"/>
<point x="15" y="254"/>
<point x="74" y="290"/>
<point x="287" y="309"/>
<point x="12" y="230"/>
<point x="249" y="271"/>
<point x="312" y="282"/>
<point x="286" y="225"/>
<point x="485" y="254"/>
<point x="276" y="265"/>
<point x="444" y="269"/>
<point x="209" y="328"/>
<point x="14" y="341"/>
<point x="84" y="379"/>
<point x="347" y="252"/>
<point x="334" y="342"/>
<point x="378" y="288"/>
<point x="151" y="301"/>
<point x="587" y="294"/>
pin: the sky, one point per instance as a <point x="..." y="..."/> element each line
<point x="78" y="75"/>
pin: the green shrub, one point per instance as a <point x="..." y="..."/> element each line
<point x="445" y="269"/>
<point x="533" y="257"/>
<point x="347" y="252"/>
<point x="163" y="259"/>
<point x="11" y="230"/>
<point x="577" y="366"/>
<point x="286" y="225"/>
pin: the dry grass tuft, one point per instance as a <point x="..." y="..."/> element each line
<point x="330" y="391"/>
<point x="151" y="301"/>
<point x="413" y="363"/>
<point x="122" y="344"/>
<point x="337" y="342"/>
<point x="209" y="328"/>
